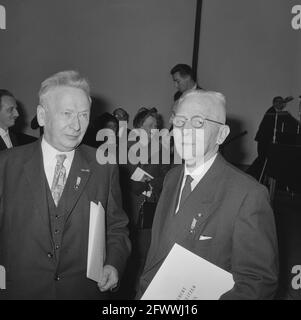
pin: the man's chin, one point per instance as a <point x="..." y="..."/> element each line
<point x="193" y="162"/>
<point x="11" y="124"/>
<point x="72" y="143"/>
<point x="189" y="160"/>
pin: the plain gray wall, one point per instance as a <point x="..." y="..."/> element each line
<point x="248" y="51"/>
<point x="124" y="47"/>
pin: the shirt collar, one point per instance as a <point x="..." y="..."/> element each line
<point x="3" y="132"/>
<point x="49" y="153"/>
<point x="200" y="171"/>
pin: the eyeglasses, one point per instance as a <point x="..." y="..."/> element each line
<point x="197" y="122"/>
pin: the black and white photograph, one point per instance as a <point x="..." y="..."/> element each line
<point x="150" y="152"/>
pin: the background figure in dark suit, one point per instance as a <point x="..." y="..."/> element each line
<point x="8" y="115"/>
<point x="45" y="193"/>
<point x="286" y="128"/>
<point x="212" y="208"/>
<point x="135" y="193"/>
<point x="184" y="79"/>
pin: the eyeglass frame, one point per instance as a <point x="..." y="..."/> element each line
<point x="186" y="119"/>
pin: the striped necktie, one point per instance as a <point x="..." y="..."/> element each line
<point x="6" y="139"/>
<point x="59" y="178"/>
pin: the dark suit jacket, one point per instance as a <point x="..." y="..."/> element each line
<point x="25" y="235"/>
<point x="17" y="139"/>
<point x="132" y="190"/>
<point x="234" y="210"/>
<point x="286" y="130"/>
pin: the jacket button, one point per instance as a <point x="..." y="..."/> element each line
<point x="57" y="247"/>
<point x="49" y="255"/>
<point x="57" y="278"/>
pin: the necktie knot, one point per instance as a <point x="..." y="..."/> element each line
<point x="189" y="179"/>
<point x="186" y="190"/>
<point x="60" y="158"/>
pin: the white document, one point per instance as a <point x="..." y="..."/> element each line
<point x="97" y="244"/>
<point x="139" y="174"/>
<point x="2" y="278"/>
<point x="186" y="276"/>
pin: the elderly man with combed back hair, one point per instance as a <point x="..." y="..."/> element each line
<point x="211" y="208"/>
<point x="46" y="189"/>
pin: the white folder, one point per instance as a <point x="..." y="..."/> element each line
<point x="97" y="244"/>
<point x="139" y="174"/>
<point x="186" y="276"/>
<point x="2" y="278"/>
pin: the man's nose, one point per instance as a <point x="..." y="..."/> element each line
<point x="188" y="126"/>
<point x="75" y="124"/>
<point x="16" y="113"/>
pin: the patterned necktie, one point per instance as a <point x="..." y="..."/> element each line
<point x="7" y="140"/>
<point x="59" y="178"/>
<point x="186" y="190"/>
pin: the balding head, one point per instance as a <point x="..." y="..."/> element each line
<point x="209" y="104"/>
<point x="199" y="125"/>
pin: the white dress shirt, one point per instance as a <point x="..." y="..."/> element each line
<point x="6" y="138"/>
<point x="196" y="174"/>
<point x="49" y="160"/>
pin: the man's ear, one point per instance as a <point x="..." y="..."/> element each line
<point x="222" y="134"/>
<point x="41" y="116"/>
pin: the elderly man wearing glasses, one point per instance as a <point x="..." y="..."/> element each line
<point x="212" y="208"/>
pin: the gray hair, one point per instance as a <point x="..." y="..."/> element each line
<point x="68" y="78"/>
<point x="208" y="97"/>
<point x="217" y="96"/>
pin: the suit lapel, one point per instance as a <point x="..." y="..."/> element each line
<point x="13" y="139"/>
<point x="172" y="194"/>
<point x="204" y="195"/>
<point x="78" y="177"/>
<point x="34" y="168"/>
<point x="2" y="144"/>
<point x="166" y="209"/>
<point x="199" y="205"/>
<point x="176" y="182"/>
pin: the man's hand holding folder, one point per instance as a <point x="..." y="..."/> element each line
<point x="106" y="276"/>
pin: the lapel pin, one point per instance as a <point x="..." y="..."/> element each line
<point x="193" y="224"/>
<point x="78" y="180"/>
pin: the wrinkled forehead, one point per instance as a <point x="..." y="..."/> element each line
<point x="67" y="96"/>
<point x="206" y="105"/>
